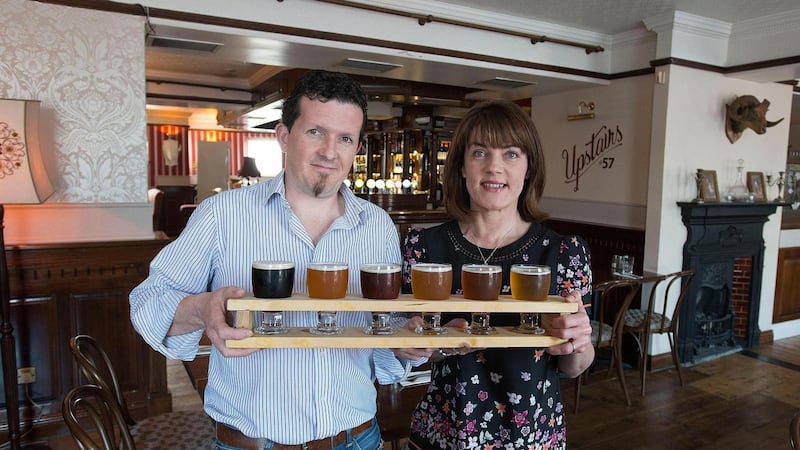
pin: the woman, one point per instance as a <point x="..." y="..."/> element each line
<point x="500" y="398"/>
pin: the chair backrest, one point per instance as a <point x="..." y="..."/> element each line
<point x="794" y="431"/>
<point x="159" y="212"/>
<point x="610" y="291"/>
<point x="682" y="279"/>
<point x="96" y="367"/>
<point x="95" y="420"/>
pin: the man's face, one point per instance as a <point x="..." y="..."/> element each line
<point x="321" y="146"/>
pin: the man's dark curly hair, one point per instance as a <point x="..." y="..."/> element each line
<point x="323" y="86"/>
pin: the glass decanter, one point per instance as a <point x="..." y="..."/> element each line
<point x="739" y="192"/>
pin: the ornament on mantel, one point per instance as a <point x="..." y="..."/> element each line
<point x="739" y="192"/>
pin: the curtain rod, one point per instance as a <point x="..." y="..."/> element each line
<point x="425" y="19"/>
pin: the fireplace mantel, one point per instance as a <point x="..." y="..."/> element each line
<point x="718" y="234"/>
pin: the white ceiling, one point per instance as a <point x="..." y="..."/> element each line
<point x="246" y="61"/>
<point x="617" y="16"/>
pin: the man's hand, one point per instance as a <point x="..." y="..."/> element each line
<point x="208" y="310"/>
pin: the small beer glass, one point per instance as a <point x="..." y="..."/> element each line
<point x="481" y="282"/>
<point x="530" y="282"/>
<point x="431" y="281"/>
<point x="327" y="280"/>
<point x="271" y="279"/>
<point x="380" y="282"/>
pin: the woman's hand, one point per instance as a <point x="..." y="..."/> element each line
<point x="577" y="330"/>
<point x="434" y="354"/>
<point x="414" y="354"/>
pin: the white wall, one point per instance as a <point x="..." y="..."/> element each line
<point x="612" y="153"/>
<point x="689" y="108"/>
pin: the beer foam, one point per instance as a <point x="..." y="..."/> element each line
<point x="328" y="266"/>
<point x="432" y="267"/>
<point x="529" y="269"/>
<point x="380" y="268"/>
<point x="480" y="268"/>
<point x="272" y="265"/>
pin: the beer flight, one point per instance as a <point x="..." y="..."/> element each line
<point x="382" y="281"/>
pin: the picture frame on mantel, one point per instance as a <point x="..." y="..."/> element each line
<point x="709" y="189"/>
<point x="757" y="186"/>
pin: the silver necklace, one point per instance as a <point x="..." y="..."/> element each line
<point x="497" y="245"/>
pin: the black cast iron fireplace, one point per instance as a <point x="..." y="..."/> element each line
<point x="721" y="237"/>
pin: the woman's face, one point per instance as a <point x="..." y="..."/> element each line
<point x="494" y="176"/>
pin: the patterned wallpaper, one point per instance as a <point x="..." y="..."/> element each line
<point x="87" y="68"/>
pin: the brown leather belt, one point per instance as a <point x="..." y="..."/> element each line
<point x="235" y="438"/>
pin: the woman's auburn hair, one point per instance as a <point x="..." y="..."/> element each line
<point x="497" y="123"/>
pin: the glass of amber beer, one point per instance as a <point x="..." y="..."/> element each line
<point x="327" y="280"/>
<point x="481" y="282"/>
<point x="431" y="281"/>
<point x="380" y="282"/>
<point x="530" y="282"/>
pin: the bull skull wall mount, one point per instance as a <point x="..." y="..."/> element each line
<point x="746" y="112"/>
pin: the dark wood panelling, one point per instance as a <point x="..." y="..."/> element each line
<point x="787" y="288"/>
<point x="60" y="290"/>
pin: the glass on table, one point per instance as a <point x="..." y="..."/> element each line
<point x="481" y="282"/>
<point x="380" y="282"/>
<point x="327" y="280"/>
<point x="271" y="279"/>
<point x="431" y="281"/>
<point x="626" y="262"/>
<point x="530" y="282"/>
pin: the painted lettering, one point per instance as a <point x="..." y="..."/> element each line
<point x="577" y="164"/>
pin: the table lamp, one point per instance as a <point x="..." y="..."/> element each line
<point x="23" y="180"/>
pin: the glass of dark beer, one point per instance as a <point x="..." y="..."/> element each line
<point x="380" y="282"/>
<point x="481" y="282"/>
<point x="271" y="279"/>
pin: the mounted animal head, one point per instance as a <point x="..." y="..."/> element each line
<point x="746" y="112"/>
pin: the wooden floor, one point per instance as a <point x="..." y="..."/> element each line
<point x="740" y="401"/>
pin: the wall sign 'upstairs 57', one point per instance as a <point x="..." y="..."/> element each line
<point x="577" y="163"/>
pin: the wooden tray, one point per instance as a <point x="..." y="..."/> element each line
<point x="356" y="338"/>
<point x="405" y="303"/>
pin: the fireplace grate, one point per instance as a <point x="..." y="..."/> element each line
<point x="713" y="334"/>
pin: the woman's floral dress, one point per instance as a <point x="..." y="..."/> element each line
<point x="495" y="398"/>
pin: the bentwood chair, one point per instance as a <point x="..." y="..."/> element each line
<point x="794" y="431"/>
<point x="643" y="323"/>
<point x="174" y="430"/>
<point x="607" y="330"/>
<point x="95" y="420"/>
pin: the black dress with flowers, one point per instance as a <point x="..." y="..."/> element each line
<point x="496" y="398"/>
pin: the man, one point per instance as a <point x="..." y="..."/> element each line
<point x="280" y="398"/>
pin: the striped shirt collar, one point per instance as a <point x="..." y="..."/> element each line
<point x="353" y="206"/>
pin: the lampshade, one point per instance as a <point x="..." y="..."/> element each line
<point x="23" y="177"/>
<point x="249" y="168"/>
